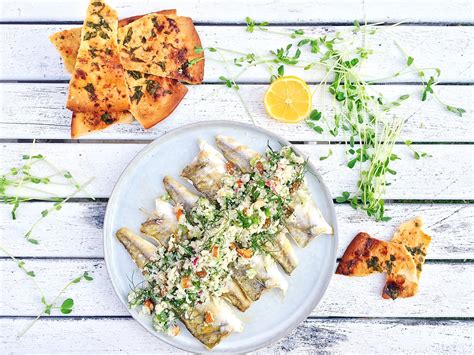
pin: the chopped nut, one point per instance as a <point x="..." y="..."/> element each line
<point x="185" y="282"/>
<point x="149" y="305"/>
<point x="246" y="253"/>
<point x="215" y="251"/>
<point x="208" y="317"/>
<point x="259" y="167"/>
<point x="201" y="273"/>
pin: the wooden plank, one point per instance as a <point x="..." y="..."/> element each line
<point x="97" y="298"/>
<point x="295" y="10"/>
<point x="446" y="175"/>
<point x="33" y="110"/>
<point x="76" y="231"/>
<point x="103" y="335"/>
<point x="432" y="46"/>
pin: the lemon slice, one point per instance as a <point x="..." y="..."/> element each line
<point x="288" y="99"/>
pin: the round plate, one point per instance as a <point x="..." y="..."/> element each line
<point x="273" y="316"/>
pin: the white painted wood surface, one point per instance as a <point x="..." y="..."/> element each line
<point x="440" y="188"/>
<point x="36" y="110"/>
<point x="451" y="224"/>
<point x="342" y="299"/>
<point x="447" y="175"/>
<point x="106" y="335"/>
<point x="28" y="55"/>
<point x="295" y="11"/>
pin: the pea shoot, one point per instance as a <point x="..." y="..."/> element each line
<point x="22" y="184"/>
<point x="66" y="305"/>
<point x="359" y="112"/>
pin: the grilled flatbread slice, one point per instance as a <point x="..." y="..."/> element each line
<point x="67" y="42"/>
<point x="98" y="83"/>
<point x="411" y="235"/>
<point x="366" y="255"/>
<point x="162" y="45"/>
<point x="153" y="98"/>
<point x="87" y="122"/>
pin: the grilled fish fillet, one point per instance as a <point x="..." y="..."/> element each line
<point x="241" y="156"/>
<point x="210" y="334"/>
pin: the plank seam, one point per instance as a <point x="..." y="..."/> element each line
<point x="414" y="319"/>
<point x="273" y="24"/>
<point x="100" y="259"/>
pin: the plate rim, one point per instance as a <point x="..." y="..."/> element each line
<point x="113" y="196"/>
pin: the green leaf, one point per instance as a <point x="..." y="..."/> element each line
<point x="356" y="24"/>
<point x="44" y="213"/>
<point x="66" y="310"/>
<point x="212" y="49"/>
<point x="31" y="273"/>
<point x="198" y="50"/>
<point x="303" y="42"/>
<point x="281" y="70"/>
<point x="47" y="309"/>
<point x="68" y="303"/>
<point x="408" y="143"/>
<point x="76" y="280"/>
<point x="32" y="241"/>
<point x="326" y="156"/>
<point x="352" y="163"/>
<point x="250" y="24"/>
<point x="67" y="175"/>
<point x="315" y="115"/>
<point x="340" y="96"/>
<point x="87" y="277"/>
<point x="417" y="155"/>
<point x="343" y="198"/>
<point x="409" y="61"/>
<point x="457" y="110"/>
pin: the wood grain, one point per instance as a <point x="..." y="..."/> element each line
<point x="447" y="175"/>
<point x="37" y="110"/>
<point x="296" y="11"/>
<point x="76" y="231"/>
<point x="101" y="335"/>
<point x="97" y="298"/>
<point x="432" y="46"/>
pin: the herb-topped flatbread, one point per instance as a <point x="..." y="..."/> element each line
<point x="87" y="122"/>
<point x="366" y="255"/>
<point x="153" y="98"/>
<point x="67" y="42"/>
<point x="162" y="45"/>
<point x="411" y="235"/>
<point x="98" y="82"/>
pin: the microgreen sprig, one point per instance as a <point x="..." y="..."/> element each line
<point x="21" y="179"/>
<point x="66" y="306"/>
<point x="359" y="112"/>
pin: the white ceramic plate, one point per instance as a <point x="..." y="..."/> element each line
<point x="273" y="316"/>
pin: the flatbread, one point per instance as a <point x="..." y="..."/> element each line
<point x="67" y="42"/>
<point x="87" y="122"/>
<point x="411" y="235"/>
<point x="153" y="98"/>
<point x="162" y="45"/>
<point x="366" y="255"/>
<point x="98" y="83"/>
<point x="154" y="105"/>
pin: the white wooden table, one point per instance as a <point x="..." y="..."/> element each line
<point x="352" y="317"/>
